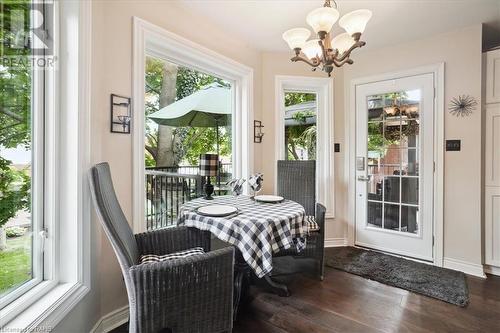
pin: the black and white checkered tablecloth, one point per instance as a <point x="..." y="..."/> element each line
<point x="259" y="230"/>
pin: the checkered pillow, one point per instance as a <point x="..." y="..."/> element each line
<point x="311" y="223"/>
<point x="149" y="258"/>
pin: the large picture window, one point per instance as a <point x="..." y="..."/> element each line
<point x="22" y="80"/>
<point x="187" y="113"/>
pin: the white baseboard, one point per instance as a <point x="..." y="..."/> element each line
<point x="335" y="242"/>
<point x="492" y="270"/>
<point x="111" y="321"/>
<point x="464" y="266"/>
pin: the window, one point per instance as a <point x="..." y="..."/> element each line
<point x="22" y="113"/>
<point x="187" y="113"/>
<point x="154" y="43"/>
<point x="304" y="128"/>
<point x="300" y="125"/>
<point x="42" y="119"/>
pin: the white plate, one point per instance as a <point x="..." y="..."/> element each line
<point x="269" y="198"/>
<point x="216" y="210"/>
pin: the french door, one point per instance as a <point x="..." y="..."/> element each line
<point x="395" y="166"/>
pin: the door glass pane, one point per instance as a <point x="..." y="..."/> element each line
<point x="409" y="190"/>
<point x="16" y="163"/>
<point x="300" y="125"/>
<point x="409" y="163"/>
<point x="391" y="216"/>
<point x="391" y="189"/>
<point x="409" y="219"/>
<point x="374" y="215"/>
<point x="393" y="160"/>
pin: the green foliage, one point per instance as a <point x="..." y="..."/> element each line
<point x="189" y="142"/>
<point x="14" y="191"/>
<point x="15" y="115"/>
<point x="15" y="86"/>
<point x="15" y="232"/>
<point x="381" y="136"/>
<point x="301" y="116"/>
<point x="300" y="136"/>
<point x="297" y="98"/>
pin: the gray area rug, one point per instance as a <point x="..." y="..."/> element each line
<point x="441" y="283"/>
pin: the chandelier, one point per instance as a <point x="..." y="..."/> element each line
<point x="324" y="50"/>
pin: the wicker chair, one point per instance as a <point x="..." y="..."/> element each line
<point x="297" y="182"/>
<point x="189" y="294"/>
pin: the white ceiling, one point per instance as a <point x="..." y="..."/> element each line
<point x="260" y="23"/>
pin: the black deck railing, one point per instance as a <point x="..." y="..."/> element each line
<point x="167" y="188"/>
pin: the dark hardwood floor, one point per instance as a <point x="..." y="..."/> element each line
<point x="348" y="303"/>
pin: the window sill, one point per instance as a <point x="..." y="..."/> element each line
<point x="44" y="314"/>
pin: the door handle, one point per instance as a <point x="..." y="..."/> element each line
<point x="364" y="178"/>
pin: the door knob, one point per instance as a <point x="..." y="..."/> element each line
<point x="364" y="178"/>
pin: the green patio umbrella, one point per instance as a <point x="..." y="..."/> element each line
<point x="210" y="106"/>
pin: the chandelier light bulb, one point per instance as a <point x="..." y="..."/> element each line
<point x="355" y="21"/>
<point x="322" y="19"/>
<point x="296" y="38"/>
<point x="342" y="42"/>
<point x="312" y="49"/>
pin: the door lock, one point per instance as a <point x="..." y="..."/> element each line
<point x="364" y="178"/>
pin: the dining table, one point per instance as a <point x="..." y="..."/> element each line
<point x="257" y="229"/>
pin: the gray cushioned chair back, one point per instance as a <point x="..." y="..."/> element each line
<point x="297" y="182"/>
<point x="111" y="216"/>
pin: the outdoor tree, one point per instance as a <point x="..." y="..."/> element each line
<point x="165" y="84"/>
<point x="15" y="120"/>
<point x="302" y="135"/>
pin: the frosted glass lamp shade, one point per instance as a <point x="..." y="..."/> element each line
<point x="311" y="48"/>
<point x="322" y="19"/>
<point x="296" y="38"/>
<point x="342" y="42"/>
<point x="355" y="21"/>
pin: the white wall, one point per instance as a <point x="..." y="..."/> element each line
<point x="112" y="73"/>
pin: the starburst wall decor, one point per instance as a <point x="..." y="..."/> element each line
<point x="462" y="105"/>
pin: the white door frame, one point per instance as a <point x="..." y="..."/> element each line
<point x="153" y="40"/>
<point x="350" y="125"/>
<point x="323" y="87"/>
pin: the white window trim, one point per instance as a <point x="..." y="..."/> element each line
<point x="154" y="40"/>
<point x="350" y="129"/>
<point x="323" y="87"/>
<point x="68" y="276"/>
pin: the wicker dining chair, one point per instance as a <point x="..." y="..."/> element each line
<point x="168" y="291"/>
<point x="297" y="182"/>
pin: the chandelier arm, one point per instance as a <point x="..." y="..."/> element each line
<point x="307" y="61"/>
<point x="343" y="62"/>
<point x="353" y="47"/>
